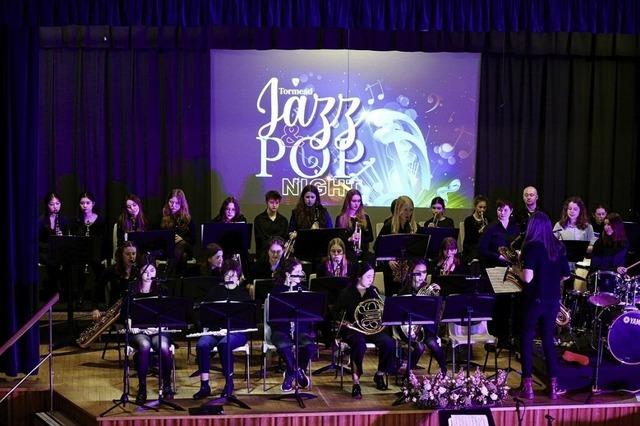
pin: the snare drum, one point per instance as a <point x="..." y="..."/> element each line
<point x="624" y="338"/>
<point x="604" y="282"/>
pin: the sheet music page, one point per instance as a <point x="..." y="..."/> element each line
<point x="496" y="277"/>
<point x="468" y="420"/>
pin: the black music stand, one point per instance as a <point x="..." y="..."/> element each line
<point x="158" y="243"/>
<point x="410" y="310"/>
<point x="437" y="236"/>
<point x="263" y="286"/>
<point x="465" y="308"/>
<point x="401" y="246"/>
<point x="72" y="251"/>
<point x="576" y="250"/>
<point x="298" y="307"/>
<point x="312" y="243"/>
<point x="196" y="288"/>
<point x="160" y="311"/>
<point x="330" y="287"/>
<point x="459" y="284"/>
<point x="234" y="238"/>
<point x="236" y="316"/>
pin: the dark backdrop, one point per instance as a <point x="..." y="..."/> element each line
<point x="113" y="108"/>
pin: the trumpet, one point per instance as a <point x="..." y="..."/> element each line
<point x="483" y="220"/>
<point x="357" y="239"/>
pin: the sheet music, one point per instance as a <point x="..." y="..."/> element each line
<point x="496" y="277"/>
<point x="468" y="420"/>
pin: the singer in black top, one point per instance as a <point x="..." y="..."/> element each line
<point x="289" y="277"/>
<point x="309" y="212"/>
<point x="500" y="233"/>
<point x="414" y="283"/>
<point x="143" y="340"/>
<point x="439" y="220"/>
<point x="51" y="223"/>
<point x="348" y="301"/>
<point x="176" y="217"/>
<point x="229" y="290"/>
<point x="544" y="267"/>
<point x="474" y="226"/>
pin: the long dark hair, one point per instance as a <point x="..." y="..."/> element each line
<point x="119" y="266"/>
<point x="407" y="287"/>
<point x="221" y="214"/>
<point x="305" y="216"/>
<point x="286" y="267"/>
<point x="619" y="236"/>
<point x="539" y="230"/>
<point x="125" y="223"/>
<point x="582" y="220"/>
<point x="182" y="218"/>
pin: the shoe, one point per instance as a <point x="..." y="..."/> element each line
<point x="141" y="398"/>
<point x="205" y="391"/>
<point x="167" y="392"/>
<point x="228" y="389"/>
<point x="303" y="380"/>
<point x="526" y="389"/>
<point x="378" y="379"/>
<point x="356" y="392"/>
<point x="287" y="383"/>
<point x="554" y="389"/>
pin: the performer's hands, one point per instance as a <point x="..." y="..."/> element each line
<point x="95" y="315"/>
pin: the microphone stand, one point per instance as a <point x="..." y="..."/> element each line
<point x="519" y="414"/>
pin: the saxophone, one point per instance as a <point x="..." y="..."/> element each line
<point x="94" y="330"/>
<point x="417" y="334"/>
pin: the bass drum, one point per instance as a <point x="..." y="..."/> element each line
<point x="624" y="338"/>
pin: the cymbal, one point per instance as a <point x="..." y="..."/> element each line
<point x="604" y="299"/>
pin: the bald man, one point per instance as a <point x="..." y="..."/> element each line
<point x="530" y="198"/>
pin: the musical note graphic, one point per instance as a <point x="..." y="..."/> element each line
<point x="370" y="87"/>
<point x="443" y="191"/>
<point x="370" y="183"/>
<point x="308" y="161"/>
<point x="435" y="100"/>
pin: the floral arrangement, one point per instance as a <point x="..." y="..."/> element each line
<point x="442" y="391"/>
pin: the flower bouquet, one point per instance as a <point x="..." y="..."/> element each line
<point x="441" y="391"/>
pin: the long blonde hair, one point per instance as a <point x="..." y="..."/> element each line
<point x="396" y="226"/>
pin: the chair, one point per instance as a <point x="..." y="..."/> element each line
<point x="458" y="335"/>
<point x="172" y="349"/>
<point x="378" y="282"/>
<point x="343" y="349"/>
<point x="246" y="350"/>
<point x="378" y="228"/>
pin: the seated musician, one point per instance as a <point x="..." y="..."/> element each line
<point x="610" y="250"/>
<point x="597" y="218"/>
<point x="142" y="340"/>
<point x="230" y="290"/>
<point x="132" y="218"/>
<point x="211" y="265"/>
<point x="288" y="277"/>
<point x="348" y="301"/>
<point x="336" y="264"/>
<point x="401" y="222"/>
<point x="309" y="213"/>
<point x="416" y="282"/>
<point x="353" y="215"/>
<point x="439" y="220"/>
<point x="266" y="265"/>
<point x="500" y="233"/>
<point x="270" y="223"/>
<point x="176" y="217"/>
<point x="229" y="212"/>
<point x="449" y="261"/>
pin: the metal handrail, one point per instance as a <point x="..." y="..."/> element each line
<point x="48" y="307"/>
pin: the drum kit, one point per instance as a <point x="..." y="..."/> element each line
<point x="609" y="302"/>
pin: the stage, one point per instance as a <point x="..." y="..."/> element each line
<point x="85" y="384"/>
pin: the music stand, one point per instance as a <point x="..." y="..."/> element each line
<point x="196" y="288"/>
<point x="234" y="238"/>
<point x="437" y="236"/>
<point x="262" y="288"/>
<point x="465" y="308"/>
<point x="236" y="316"/>
<point x="576" y="250"/>
<point x="69" y="251"/>
<point x="312" y="243"/>
<point x="159" y="243"/>
<point x="459" y="284"/>
<point x="410" y="310"/>
<point x="160" y="311"/>
<point x="297" y="307"/>
<point x="330" y="287"/>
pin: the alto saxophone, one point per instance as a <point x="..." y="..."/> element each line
<point x="94" y="330"/>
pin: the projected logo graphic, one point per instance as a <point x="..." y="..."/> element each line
<point x="376" y="129"/>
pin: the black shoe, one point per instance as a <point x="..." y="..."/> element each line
<point x="303" y="380"/>
<point x="167" y="392"/>
<point x="141" y="398"/>
<point x="356" y="392"/>
<point x="204" y="392"/>
<point x="287" y="383"/>
<point x="378" y="379"/>
<point x="228" y="390"/>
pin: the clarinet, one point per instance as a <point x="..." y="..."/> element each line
<point x="56" y="225"/>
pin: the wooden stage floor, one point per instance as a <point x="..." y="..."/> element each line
<point x="85" y="385"/>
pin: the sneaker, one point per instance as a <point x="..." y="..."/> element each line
<point x="303" y="380"/>
<point x="378" y="379"/>
<point x="204" y="392"/>
<point x="287" y="383"/>
<point x="356" y="392"/>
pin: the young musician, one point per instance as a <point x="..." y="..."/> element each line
<point x="401" y="222"/>
<point x="230" y="290"/>
<point x="267" y="265"/>
<point x="230" y="212"/>
<point x="142" y="340"/>
<point x="353" y="213"/>
<point x="289" y="277"/>
<point x="132" y="218"/>
<point x="270" y="223"/>
<point x="309" y="212"/>
<point x="348" y="301"/>
<point x="574" y="223"/>
<point x="213" y="258"/>
<point x="501" y="233"/>
<point x="336" y="264"/>
<point x="439" y="220"/>
<point x="610" y="250"/>
<point x="449" y="261"/>
<point x="116" y="278"/>
<point x="597" y="218"/>
<point x="176" y="217"/>
<point x="416" y="281"/>
<point x="474" y="226"/>
<point x="51" y="223"/>
<point x="544" y="267"/>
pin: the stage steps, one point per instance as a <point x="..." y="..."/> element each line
<point x="52" y="418"/>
